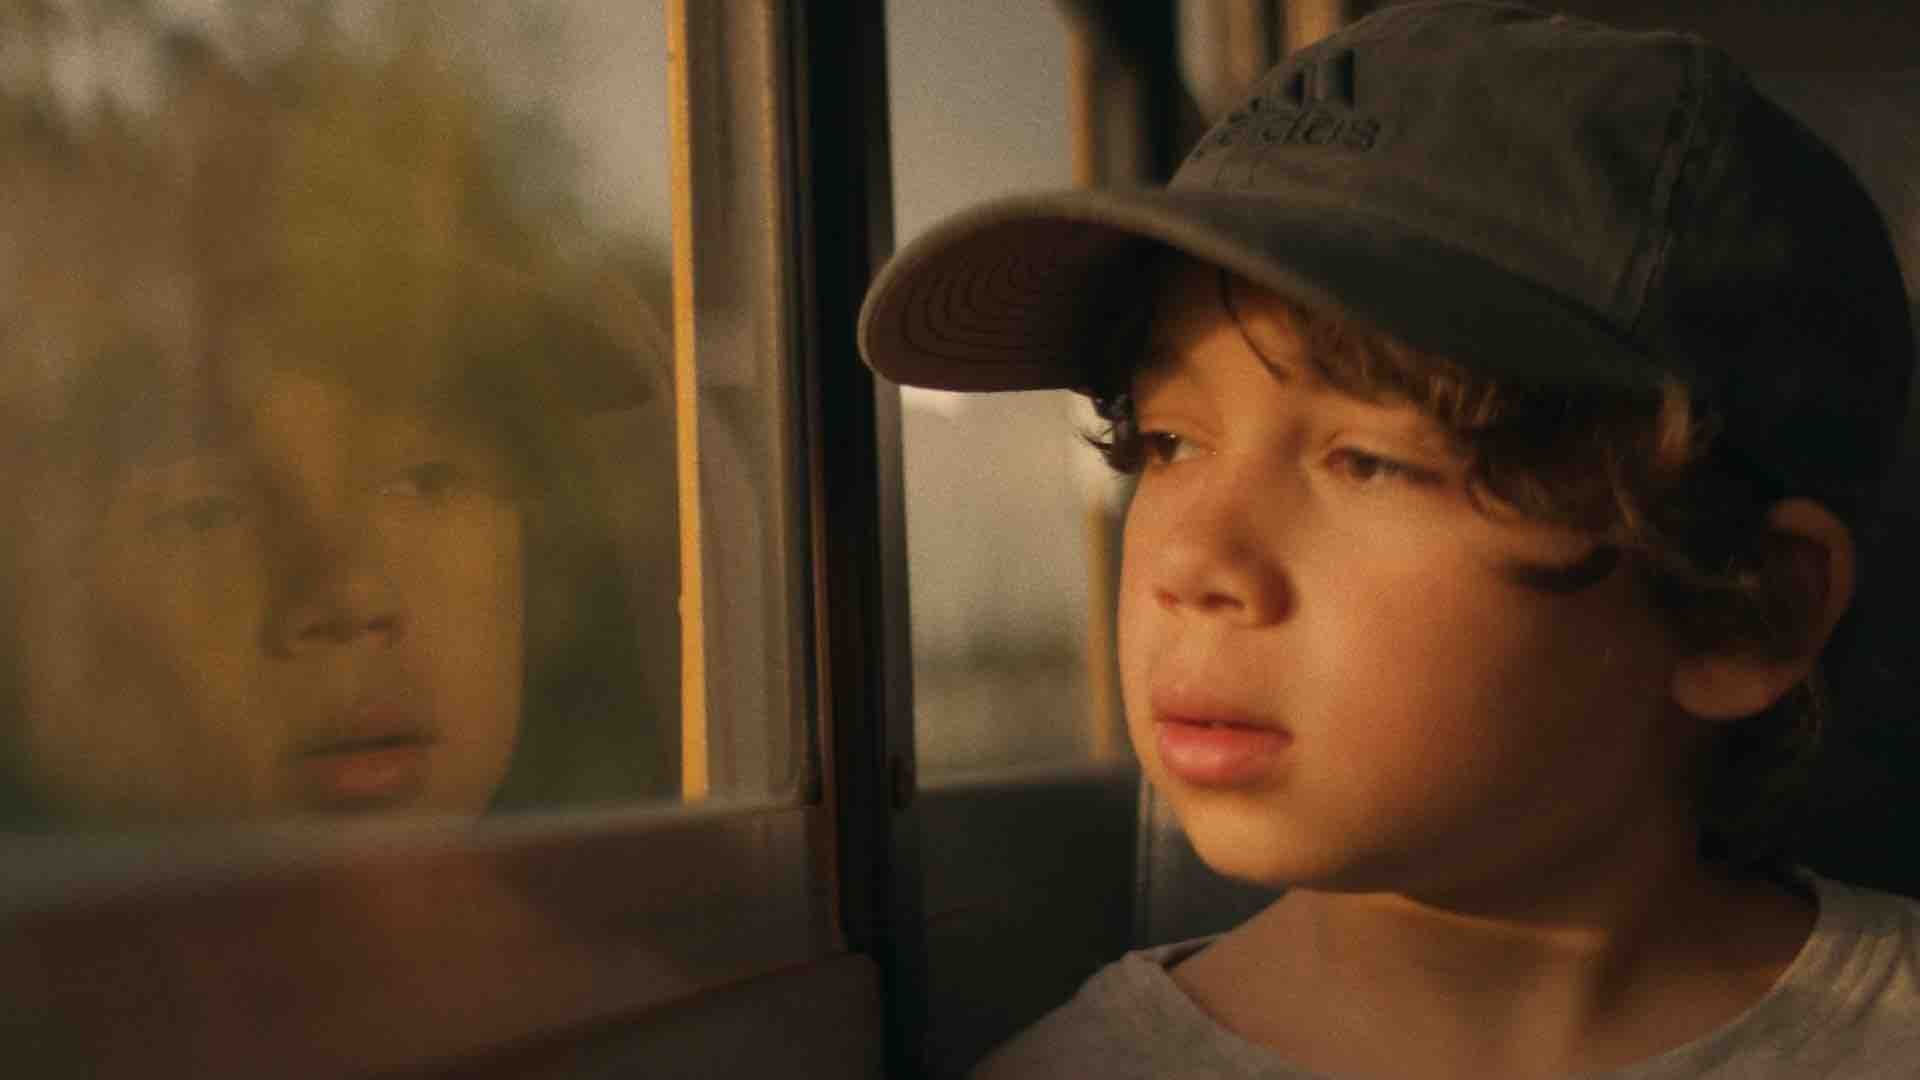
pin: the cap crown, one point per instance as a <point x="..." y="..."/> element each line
<point x="1542" y="198"/>
<point x="1547" y="145"/>
<point x="1638" y="177"/>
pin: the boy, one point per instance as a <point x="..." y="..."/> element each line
<point x="1511" y="393"/>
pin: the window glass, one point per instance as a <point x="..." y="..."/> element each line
<point x="1009" y="514"/>
<point x="339" y="404"/>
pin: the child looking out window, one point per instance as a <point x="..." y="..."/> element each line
<point x="1511" y="396"/>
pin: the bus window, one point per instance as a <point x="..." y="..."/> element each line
<point x="1026" y="802"/>
<point x="1009" y="513"/>
<point x="405" y="542"/>
<point x="342" y="423"/>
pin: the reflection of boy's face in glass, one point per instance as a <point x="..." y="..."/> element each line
<point x="318" y="611"/>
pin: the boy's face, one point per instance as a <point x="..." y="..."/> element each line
<point x="1329" y="666"/>
<point x="317" y="612"/>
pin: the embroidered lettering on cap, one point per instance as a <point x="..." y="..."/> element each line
<point x="1314" y="107"/>
<point x="1313" y="126"/>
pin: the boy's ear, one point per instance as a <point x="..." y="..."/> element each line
<point x="1739" y="681"/>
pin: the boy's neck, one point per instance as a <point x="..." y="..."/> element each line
<point x="1382" y="984"/>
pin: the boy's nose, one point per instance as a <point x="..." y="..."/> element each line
<point x="336" y="592"/>
<point x="1211" y="559"/>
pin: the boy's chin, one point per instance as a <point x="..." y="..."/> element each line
<point x="1258" y="850"/>
<point x="1254" y="852"/>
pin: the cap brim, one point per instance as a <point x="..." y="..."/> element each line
<point x="1023" y="293"/>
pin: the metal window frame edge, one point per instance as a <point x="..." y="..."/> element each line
<point x="863" y="647"/>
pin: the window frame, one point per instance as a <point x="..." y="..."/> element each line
<point x="861" y="627"/>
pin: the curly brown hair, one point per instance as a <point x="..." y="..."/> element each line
<point x="1646" y="476"/>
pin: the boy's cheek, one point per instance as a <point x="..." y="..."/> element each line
<point x="1135" y="635"/>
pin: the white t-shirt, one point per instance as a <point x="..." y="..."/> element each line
<point x="1848" y="1006"/>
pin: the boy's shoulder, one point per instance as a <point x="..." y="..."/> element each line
<point x="1131" y="1020"/>
<point x="1848" y="1005"/>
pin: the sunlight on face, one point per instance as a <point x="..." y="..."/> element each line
<point x="1327" y="663"/>
<point x="316" y="611"/>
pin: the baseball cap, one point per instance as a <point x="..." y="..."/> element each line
<point x="1539" y="197"/>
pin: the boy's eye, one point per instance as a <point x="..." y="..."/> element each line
<point x="1368" y="468"/>
<point x="1165" y="448"/>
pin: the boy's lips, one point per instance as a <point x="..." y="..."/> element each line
<point x="1183" y="701"/>
<point x="1211" y="754"/>
<point x="377" y="757"/>
<point x="1209" y="743"/>
<point x="364" y="775"/>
